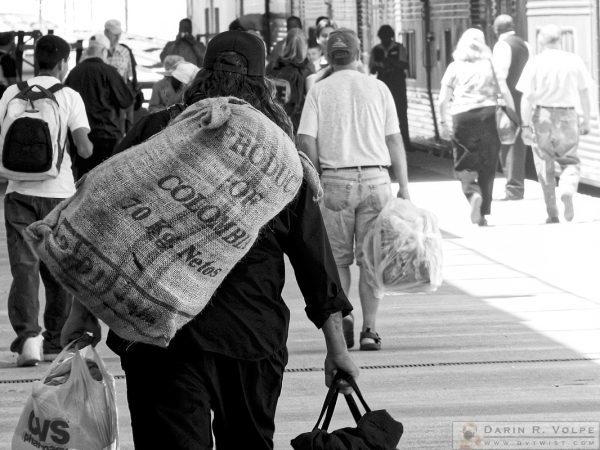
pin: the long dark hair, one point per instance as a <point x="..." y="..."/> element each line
<point x="258" y="91"/>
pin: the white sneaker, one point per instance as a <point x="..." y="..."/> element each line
<point x="31" y="353"/>
<point x="475" y="202"/>
<point x="568" y="202"/>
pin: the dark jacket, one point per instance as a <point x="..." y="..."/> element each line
<point x="104" y="94"/>
<point x="247" y="317"/>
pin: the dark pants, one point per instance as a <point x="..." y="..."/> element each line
<point x="398" y="89"/>
<point x="475" y="148"/>
<point x="26" y="268"/>
<point x="103" y="148"/>
<point x="171" y="396"/>
<point x="512" y="160"/>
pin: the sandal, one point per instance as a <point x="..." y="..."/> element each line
<point x="370" y="340"/>
<point x="348" y="328"/>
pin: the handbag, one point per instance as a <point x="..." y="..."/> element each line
<point x="507" y="124"/>
<point x="375" y="430"/>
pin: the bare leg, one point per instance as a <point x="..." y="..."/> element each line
<point x="368" y="301"/>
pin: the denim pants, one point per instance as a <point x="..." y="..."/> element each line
<point x="476" y="148"/>
<point x="352" y="200"/>
<point x="555" y="152"/>
<point x="26" y="268"/>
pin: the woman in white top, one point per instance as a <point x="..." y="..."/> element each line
<point x="468" y="93"/>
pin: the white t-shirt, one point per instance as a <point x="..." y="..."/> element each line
<point x="73" y="116"/>
<point x="473" y="85"/>
<point x="350" y="114"/>
<point x="554" y="78"/>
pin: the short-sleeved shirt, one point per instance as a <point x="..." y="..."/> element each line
<point x="554" y="78"/>
<point x="350" y="114"/>
<point x="473" y="84"/>
<point x="73" y="117"/>
<point x="120" y="59"/>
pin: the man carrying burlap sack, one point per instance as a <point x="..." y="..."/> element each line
<point x="230" y="358"/>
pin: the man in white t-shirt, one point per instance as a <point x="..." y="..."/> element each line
<point x="555" y="83"/>
<point x="29" y="201"/>
<point x="349" y="129"/>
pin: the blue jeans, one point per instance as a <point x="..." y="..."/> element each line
<point x="26" y="268"/>
<point x="352" y="200"/>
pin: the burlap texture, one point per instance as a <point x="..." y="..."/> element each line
<point x="152" y="232"/>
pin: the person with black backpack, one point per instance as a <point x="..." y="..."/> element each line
<point x="33" y="137"/>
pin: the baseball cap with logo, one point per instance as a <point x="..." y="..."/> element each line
<point x="246" y="44"/>
<point x="343" y="46"/>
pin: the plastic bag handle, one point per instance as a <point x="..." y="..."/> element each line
<point x="59" y="358"/>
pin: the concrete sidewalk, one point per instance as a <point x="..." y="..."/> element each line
<point x="513" y="334"/>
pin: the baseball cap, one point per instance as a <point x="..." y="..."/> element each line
<point x="185" y="72"/>
<point x="114" y="26"/>
<point x="99" y="40"/>
<point x="343" y="46"/>
<point x="246" y="44"/>
<point x="170" y="62"/>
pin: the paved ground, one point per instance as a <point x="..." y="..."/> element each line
<point x="513" y="334"/>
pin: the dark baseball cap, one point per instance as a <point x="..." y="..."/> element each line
<point x="246" y="44"/>
<point x="343" y="46"/>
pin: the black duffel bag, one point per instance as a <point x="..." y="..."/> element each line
<point x="375" y="430"/>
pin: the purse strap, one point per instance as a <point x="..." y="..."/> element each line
<point x="331" y="400"/>
<point x="500" y="96"/>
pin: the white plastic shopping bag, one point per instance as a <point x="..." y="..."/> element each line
<point x="73" y="407"/>
<point x="403" y="250"/>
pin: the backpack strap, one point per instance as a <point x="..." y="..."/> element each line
<point x="30" y="95"/>
<point x="22" y="85"/>
<point x="55" y="88"/>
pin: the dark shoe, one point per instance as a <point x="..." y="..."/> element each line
<point x="475" y="202"/>
<point x="50" y="351"/>
<point x="369" y="340"/>
<point x="482" y="222"/>
<point x="31" y="353"/>
<point x="552" y="220"/>
<point x="348" y="328"/>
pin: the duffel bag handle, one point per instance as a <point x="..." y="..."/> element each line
<point x="331" y="400"/>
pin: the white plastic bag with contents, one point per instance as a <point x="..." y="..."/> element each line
<point x="73" y="407"/>
<point x="403" y="250"/>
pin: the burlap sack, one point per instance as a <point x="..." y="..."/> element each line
<point x="152" y="232"/>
